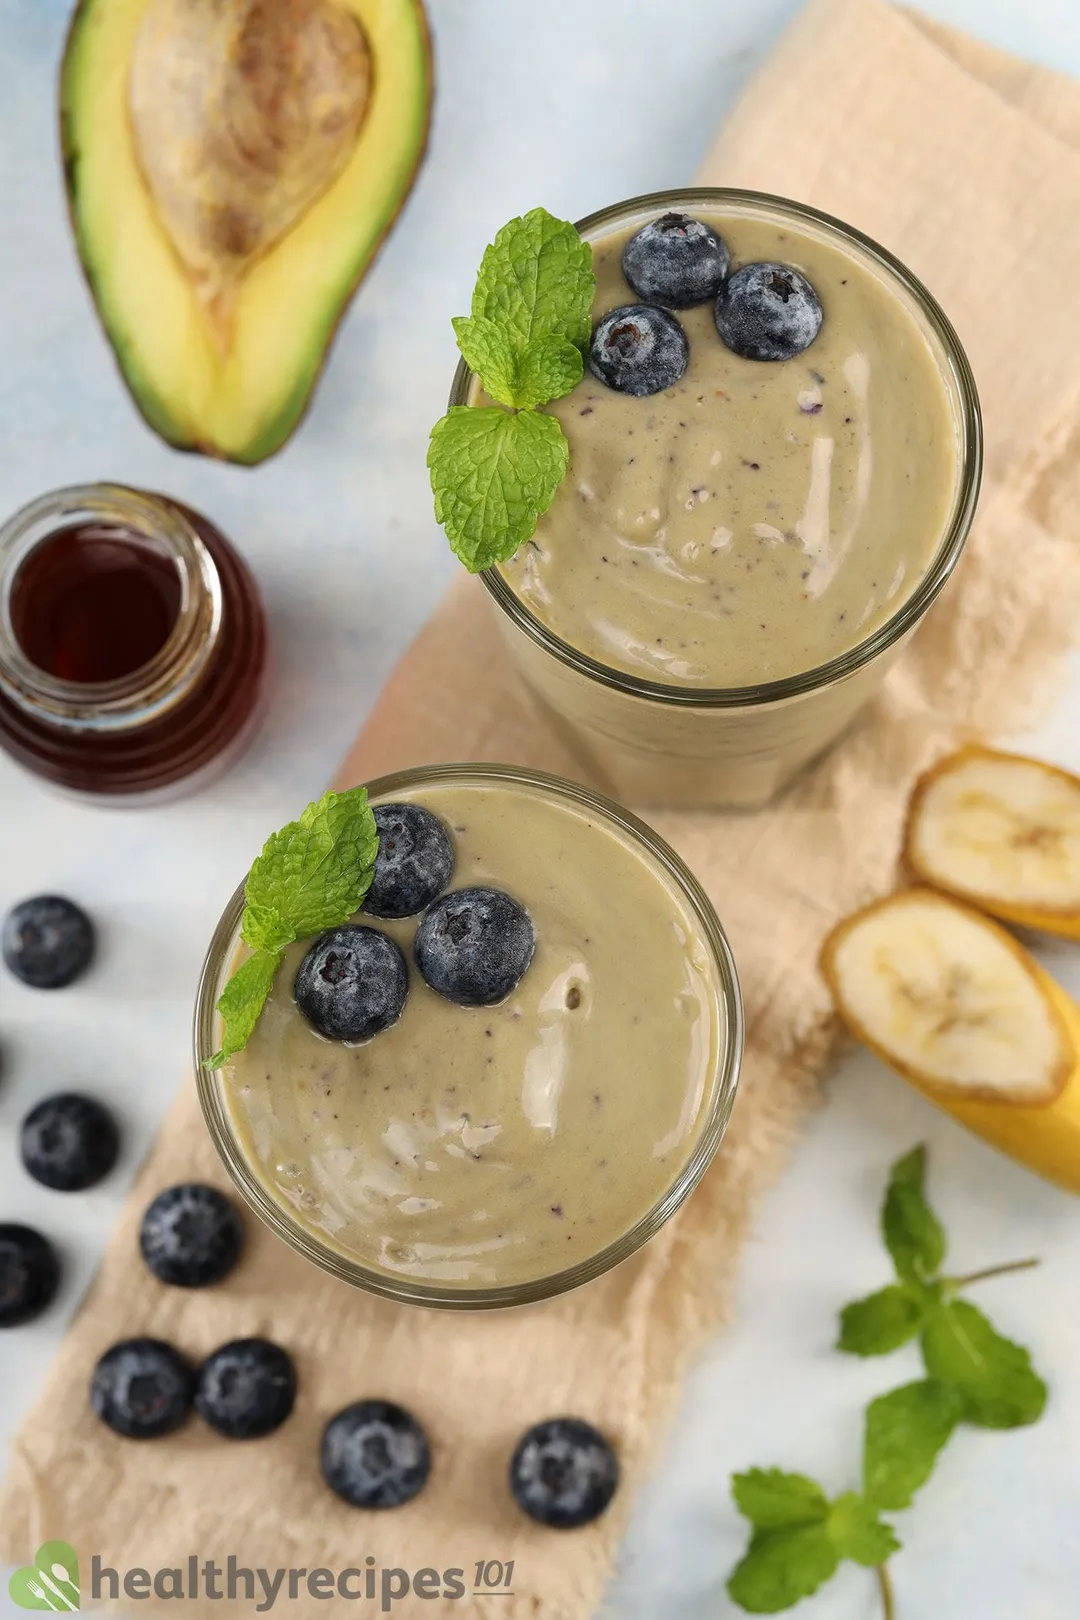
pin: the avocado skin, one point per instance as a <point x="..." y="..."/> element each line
<point x="155" y="411"/>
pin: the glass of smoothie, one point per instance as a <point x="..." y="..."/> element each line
<point x="503" y="1143"/>
<point x="736" y="555"/>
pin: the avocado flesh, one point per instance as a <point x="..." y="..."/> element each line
<point x="240" y="395"/>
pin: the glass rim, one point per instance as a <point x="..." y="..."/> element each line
<point x="405" y="1290"/>
<point x="159" y="684"/>
<point x="912" y="609"/>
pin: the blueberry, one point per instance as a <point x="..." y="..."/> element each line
<point x="48" y="941"/>
<point x="69" y="1142"/>
<point x="29" y="1274"/>
<point x="768" y="312"/>
<point x="675" y="261"/>
<point x="375" y="1455"/>
<point x="246" y="1389"/>
<point x="414" y="864"/>
<point x="638" y="349"/>
<point x="563" y="1473"/>
<point x="142" y="1388"/>
<point x="474" y="945"/>
<point x="191" y="1236"/>
<point x="352" y="983"/>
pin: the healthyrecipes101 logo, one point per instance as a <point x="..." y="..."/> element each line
<point x="50" y="1582"/>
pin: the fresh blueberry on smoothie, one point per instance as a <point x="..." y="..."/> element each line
<point x="475" y="945"/>
<point x="768" y="312"/>
<point x="352" y="984"/>
<point x="638" y="349"/>
<point x="414" y="864"/>
<point x="675" y="261"/>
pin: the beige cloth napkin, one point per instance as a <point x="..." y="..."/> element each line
<point x="966" y="163"/>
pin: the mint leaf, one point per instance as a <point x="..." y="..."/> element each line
<point x="993" y="1376"/>
<point x="549" y="368"/>
<point x="881" y="1322"/>
<point x="242" y="1000"/>
<point x="774" y="1500"/>
<point x="912" y="1233"/>
<point x="489" y="350"/>
<point x="492" y="475"/>
<point x="313" y="874"/>
<point x="537" y="278"/>
<point x="858" y="1533"/>
<point x="905" y="1430"/>
<point x="781" y="1567"/>
<point x="515" y="373"/>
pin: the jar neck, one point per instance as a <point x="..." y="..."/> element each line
<point x="164" y="680"/>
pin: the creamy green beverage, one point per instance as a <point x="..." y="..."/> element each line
<point x="769" y="481"/>
<point x="474" y="1148"/>
<point x="756" y="518"/>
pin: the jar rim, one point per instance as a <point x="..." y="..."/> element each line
<point x="947" y="554"/>
<point x="151" y="690"/>
<point x="724" y="1078"/>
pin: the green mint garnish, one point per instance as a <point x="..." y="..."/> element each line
<point x="799" y="1536"/>
<point x="911" y="1230"/>
<point x="491" y="473"/>
<point x="880" y="1323"/>
<point x="312" y="875"/>
<point x="993" y="1376"/>
<point x="905" y="1430"/>
<point x="496" y="468"/>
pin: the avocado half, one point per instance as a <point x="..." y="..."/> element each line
<point x="232" y="167"/>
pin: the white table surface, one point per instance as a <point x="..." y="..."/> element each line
<point x="571" y="105"/>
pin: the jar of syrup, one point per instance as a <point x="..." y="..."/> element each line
<point x="133" y="645"/>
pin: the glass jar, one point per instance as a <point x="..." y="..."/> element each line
<point x="133" y="645"/>
<point x="719" y="1072"/>
<point x="658" y="743"/>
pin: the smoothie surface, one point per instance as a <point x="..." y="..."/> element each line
<point x="759" y="518"/>
<point x="491" y="1146"/>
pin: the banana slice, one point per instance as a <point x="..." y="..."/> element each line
<point x="1002" y="831"/>
<point x="969" y="1018"/>
<point x="949" y="999"/>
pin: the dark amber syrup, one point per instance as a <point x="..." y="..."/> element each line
<point x="94" y="603"/>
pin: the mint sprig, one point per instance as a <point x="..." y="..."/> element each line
<point x="312" y="875"/>
<point x="974" y="1375"/>
<point x="496" y="468"/>
<point x="994" y="1377"/>
<point x="799" y="1538"/>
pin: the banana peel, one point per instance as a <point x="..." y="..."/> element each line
<point x="1001" y="831"/>
<point x="953" y="1003"/>
<point x="1046" y="1139"/>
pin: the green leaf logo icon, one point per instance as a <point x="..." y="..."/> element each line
<point x="51" y="1582"/>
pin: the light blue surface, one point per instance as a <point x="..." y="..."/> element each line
<point x="573" y="105"/>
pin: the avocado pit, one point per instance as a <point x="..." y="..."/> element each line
<point x="243" y="113"/>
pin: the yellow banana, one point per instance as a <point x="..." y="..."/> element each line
<point x="955" y="1004"/>
<point x="1003" y="832"/>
